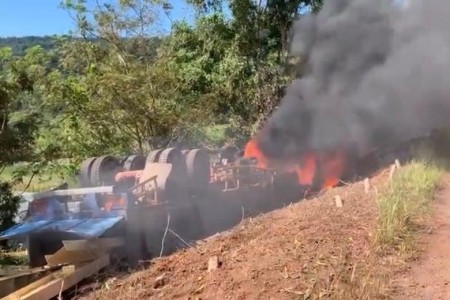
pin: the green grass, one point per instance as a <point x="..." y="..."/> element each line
<point x="43" y="181"/>
<point x="13" y="258"/>
<point x="405" y="203"/>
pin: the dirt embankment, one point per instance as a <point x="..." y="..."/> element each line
<point x="309" y="248"/>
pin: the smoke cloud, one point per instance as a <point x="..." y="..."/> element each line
<point x="378" y="74"/>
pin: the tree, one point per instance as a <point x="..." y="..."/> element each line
<point x="9" y="206"/>
<point x="113" y="91"/>
<point x="16" y="134"/>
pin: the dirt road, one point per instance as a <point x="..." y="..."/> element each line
<point x="429" y="278"/>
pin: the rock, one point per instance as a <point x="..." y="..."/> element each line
<point x="213" y="263"/>
<point x="160" y="281"/>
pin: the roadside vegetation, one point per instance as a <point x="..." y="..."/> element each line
<point x="13" y="258"/>
<point x="404" y="205"/>
<point x="402" y="209"/>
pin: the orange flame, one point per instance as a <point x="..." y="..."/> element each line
<point x="307" y="170"/>
<point x="333" y="167"/>
<point x="252" y="151"/>
<point x="329" y="166"/>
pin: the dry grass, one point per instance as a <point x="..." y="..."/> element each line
<point x="404" y="203"/>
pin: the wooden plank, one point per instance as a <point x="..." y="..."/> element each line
<point x="392" y="171"/>
<point x="13" y="270"/>
<point x="11" y="283"/>
<point x="30" y="287"/>
<point x="54" y="287"/>
<point x="62" y="256"/>
<point x="102" y="243"/>
<point x="338" y="201"/>
<point x="367" y="185"/>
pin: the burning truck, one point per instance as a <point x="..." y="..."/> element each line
<point x="138" y="207"/>
<point x="136" y="198"/>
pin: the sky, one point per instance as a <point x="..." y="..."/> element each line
<point x="45" y="17"/>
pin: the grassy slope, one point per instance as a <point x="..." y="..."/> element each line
<point x="404" y="204"/>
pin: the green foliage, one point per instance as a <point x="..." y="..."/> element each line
<point x="115" y="87"/>
<point x="405" y="202"/>
<point x="8" y="258"/>
<point x="9" y="204"/>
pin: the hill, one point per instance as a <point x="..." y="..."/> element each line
<point x="20" y="44"/>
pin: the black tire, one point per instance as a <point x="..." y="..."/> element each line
<point x="104" y="169"/>
<point x="175" y="157"/>
<point x="134" y="162"/>
<point x="177" y="184"/>
<point x="153" y="156"/>
<point x="198" y="171"/>
<point x="85" y="171"/>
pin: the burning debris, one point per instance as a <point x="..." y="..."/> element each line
<point x="378" y="75"/>
<point x="306" y="168"/>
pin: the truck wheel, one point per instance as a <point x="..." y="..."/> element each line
<point x="198" y="171"/>
<point x="85" y="171"/>
<point x="178" y="177"/>
<point x="134" y="162"/>
<point x="175" y="157"/>
<point x="104" y="169"/>
<point x="153" y="156"/>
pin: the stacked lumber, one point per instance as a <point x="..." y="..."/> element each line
<point x="75" y="261"/>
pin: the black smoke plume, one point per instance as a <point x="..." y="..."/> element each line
<point x="378" y="74"/>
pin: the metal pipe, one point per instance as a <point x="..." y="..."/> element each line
<point x="75" y="192"/>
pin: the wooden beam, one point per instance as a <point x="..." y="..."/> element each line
<point x="62" y="256"/>
<point x="392" y="172"/>
<point x="66" y="281"/>
<point x="30" y="287"/>
<point x="397" y="164"/>
<point x="13" y="270"/>
<point x="367" y="185"/>
<point x="102" y="243"/>
<point x="9" y="284"/>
